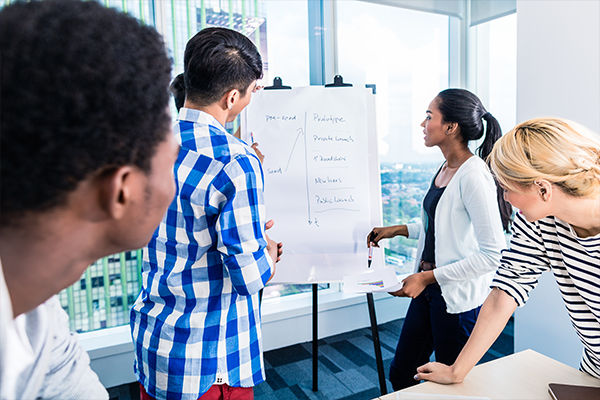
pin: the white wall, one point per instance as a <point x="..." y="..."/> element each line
<point x="558" y="74"/>
<point x="558" y="60"/>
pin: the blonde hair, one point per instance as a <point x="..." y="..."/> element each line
<point x="562" y="152"/>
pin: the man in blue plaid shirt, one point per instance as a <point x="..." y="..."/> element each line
<point x="196" y="324"/>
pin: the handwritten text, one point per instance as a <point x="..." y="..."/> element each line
<point x="319" y="180"/>
<point x="271" y="118"/>
<point x="329" y="138"/>
<point x="330" y="118"/>
<point x="328" y="159"/>
<point x="274" y="171"/>
<point x="333" y="200"/>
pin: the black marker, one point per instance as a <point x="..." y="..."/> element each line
<point x="371" y="235"/>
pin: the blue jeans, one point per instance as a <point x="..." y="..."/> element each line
<point x="428" y="328"/>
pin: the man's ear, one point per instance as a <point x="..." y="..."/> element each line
<point x="231" y="98"/>
<point x="117" y="191"/>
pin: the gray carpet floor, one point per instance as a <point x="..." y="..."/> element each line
<point x="347" y="366"/>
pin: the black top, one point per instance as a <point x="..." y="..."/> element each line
<point x="430" y="203"/>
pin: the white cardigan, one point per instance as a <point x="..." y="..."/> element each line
<point x="468" y="237"/>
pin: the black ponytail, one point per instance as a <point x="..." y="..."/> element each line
<point x="465" y="109"/>
<point x="492" y="134"/>
<point x="177" y="87"/>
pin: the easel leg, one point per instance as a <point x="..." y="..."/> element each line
<point x="376" y="344"/>
<point x="315" y="348"/>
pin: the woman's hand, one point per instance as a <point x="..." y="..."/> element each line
<point x="437" y="372"/>
<point x="494" y="314"/>
<point x="387" y="232"/>
<point x="414" y="284"/>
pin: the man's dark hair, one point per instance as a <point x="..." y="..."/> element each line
<point x="216" y="61"/>
<point x="84" y="89"/>
<point x="177" y="87"/>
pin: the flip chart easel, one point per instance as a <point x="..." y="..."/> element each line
<point x="322" y="184"/>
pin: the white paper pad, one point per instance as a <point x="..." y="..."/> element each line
<point x="377" y="280"/>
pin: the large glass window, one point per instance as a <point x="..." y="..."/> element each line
<point x="287" y="42"/>
<point x="497" y="68"/>
<point x="287" y="46"/>
<point x="405" y="54"/>
<point x="108" y="289"/>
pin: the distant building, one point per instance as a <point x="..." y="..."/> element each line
<point x="104" y="294"/>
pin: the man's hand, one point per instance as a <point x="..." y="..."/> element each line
<point x="275" y="249"/>
<point x="260" y="155"/>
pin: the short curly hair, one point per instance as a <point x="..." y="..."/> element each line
<point x="84" y="89"/>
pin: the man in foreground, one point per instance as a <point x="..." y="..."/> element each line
<point x="87" y="159"/>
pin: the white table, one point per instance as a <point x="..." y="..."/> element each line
<point x="523" y="376"/>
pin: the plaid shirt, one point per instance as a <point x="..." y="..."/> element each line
<point x="197" y="320"/>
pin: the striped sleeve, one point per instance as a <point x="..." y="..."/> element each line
<point x="523" y="263"/>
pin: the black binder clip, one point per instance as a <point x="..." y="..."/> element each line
<point x="277" y="84"/>
<point x="338" y="81"/>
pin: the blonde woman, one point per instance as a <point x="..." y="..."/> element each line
<point x="550" y="171"/>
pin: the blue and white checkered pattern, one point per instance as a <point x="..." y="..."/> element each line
<point x="197" y="319"/>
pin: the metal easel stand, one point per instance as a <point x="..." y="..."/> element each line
<point x="315" y="347"/>
<point x="374" y="331"/>
<point x="376" y="344"/>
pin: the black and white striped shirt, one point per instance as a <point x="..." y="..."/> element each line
<point x="551" y="244"/>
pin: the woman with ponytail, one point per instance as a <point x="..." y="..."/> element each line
<point x="550" y="170"/>
<point x="460" y="237"/>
